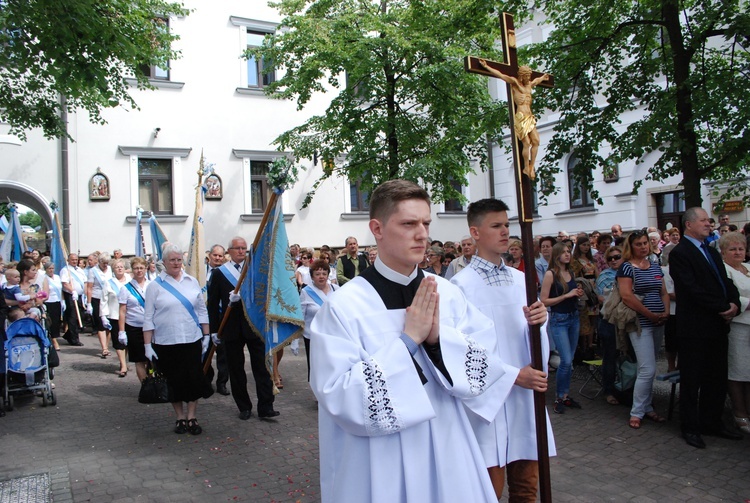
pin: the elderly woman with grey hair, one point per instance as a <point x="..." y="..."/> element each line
<point x="732" y="246"/>
<point x="176" y="334"/>
<point x="97" y="289"/>
<point x="435" y="256"/>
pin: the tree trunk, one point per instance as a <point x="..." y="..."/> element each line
<point x="684" y="105"/>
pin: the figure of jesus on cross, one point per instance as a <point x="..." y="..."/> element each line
<point x="524" y="121"/>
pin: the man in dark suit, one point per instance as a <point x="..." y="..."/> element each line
<point x="216" y="260"/>
<point x="237" y="334"/>
<point x="706" y="302"/>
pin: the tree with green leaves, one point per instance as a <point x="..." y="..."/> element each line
<point x="684" y="65"/>
<point x="82" y="50"/>
<point x="404" y="106"/>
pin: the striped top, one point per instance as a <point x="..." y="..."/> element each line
<point x="646" y="283"/>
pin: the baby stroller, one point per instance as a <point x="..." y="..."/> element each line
<point x="27" y="362"/>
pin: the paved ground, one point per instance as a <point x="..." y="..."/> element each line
<point x="99" y="444"/>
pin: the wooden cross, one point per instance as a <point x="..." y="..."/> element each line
<point x="524" y="178"/>
<point x="510" y="68"/>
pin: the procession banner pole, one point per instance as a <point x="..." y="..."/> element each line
<point x="271" y="204"/>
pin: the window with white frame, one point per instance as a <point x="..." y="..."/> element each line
<point x="256" y="73"/>
<point x="360" y="199"/>
<point x="153" y="71"/>
<point x="260" y="72"/>
<point x="455" y="205"/>
<point x="579" y="195"/>
<point x="155" y="186"/>
<point x="260" y="193"/>
<point x="156" y="179"/>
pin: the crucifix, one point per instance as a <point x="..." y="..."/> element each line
<point x="520" y="82"/>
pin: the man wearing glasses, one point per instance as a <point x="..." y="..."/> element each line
<point x="237" y="334"/>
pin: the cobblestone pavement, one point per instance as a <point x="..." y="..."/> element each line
<point x="99" y="444"/>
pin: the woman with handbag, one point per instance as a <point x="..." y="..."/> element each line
<point x="175" y="332"/>
<point x="132" y="299"/>
<point x="560" y="293"/>
<point x="639" y="278"/>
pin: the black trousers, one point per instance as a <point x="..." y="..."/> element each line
<point x="54" y="312"/>
<point x="703" y="383"/>
<point x="234" y="350"/>
<point x="74" y="329"/>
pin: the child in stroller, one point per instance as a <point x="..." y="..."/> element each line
<point x="27" y="363"/>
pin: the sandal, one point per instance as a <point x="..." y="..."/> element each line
<point x="634" y="422"/>
<point x="193" y="427"/>
<point x="653" y="416"/>
<point x="180" y="426"/>
<point x="612" y="400"/>
<point x="122" y="373"/>
<point x="278" y="384"/>
<point x="104" y="354"/>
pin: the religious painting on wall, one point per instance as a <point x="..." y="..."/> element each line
<point x="99" y="186"/>
<point x="214" y="188"/>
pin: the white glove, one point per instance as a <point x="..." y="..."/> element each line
<point x="294" y="346"/>
<point x="90" y="309"/>
<point x="215" y="338"/>
<point x="204" y="343"/>
<point x="105" y="323"/>
<point x="122" y="337"/>
<point x="74" y="295"/>
<point x="234" y="298"/>
<point x="150" y="353"/>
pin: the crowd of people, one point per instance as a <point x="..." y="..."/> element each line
<point x="608" y="295"/>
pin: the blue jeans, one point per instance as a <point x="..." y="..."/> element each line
<point x="564" y="329"/>
<point x="646" y="347"/>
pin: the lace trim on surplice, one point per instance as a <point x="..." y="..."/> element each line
<point x="476" y="366"/>
<point x="381" y="417"/>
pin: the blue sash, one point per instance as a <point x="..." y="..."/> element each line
<point x="181" y="298"/>
<point x="135" y="293"/>
<point x="74" y="276"/>
<point x="115" y="286"/>
<point x="314" y="296"/>
<point x="228" y="274"/>
<point x="58" y="291"/>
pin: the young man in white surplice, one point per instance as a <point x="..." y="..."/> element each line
<point x="509" y="444"/>
<point x="397" y="354"/>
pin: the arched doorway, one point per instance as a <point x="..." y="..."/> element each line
<point x="27" y="196"/>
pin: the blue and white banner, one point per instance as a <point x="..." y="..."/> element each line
<point x="13" y="244"/>
<point x="269" y="290"/>
<point x="158" y="238"/>
<point x="58" y="250"/>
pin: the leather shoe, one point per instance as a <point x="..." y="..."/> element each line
<point x="222" y="389"/>
<point x="268" y="414"/>
<point x="246" y="414"/>
<point x="694" y="440"/>
<point x="724" y="432"/>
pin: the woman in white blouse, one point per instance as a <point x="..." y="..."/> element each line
<point x="175" y="333"/>
<point x="732" y="246"/>
<point x="312" y="297"/>
<point x="132" y="300"/>
<point x="116" y="283"/>
<point x="97" y="286"/>
<point x="53" y="304"/>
